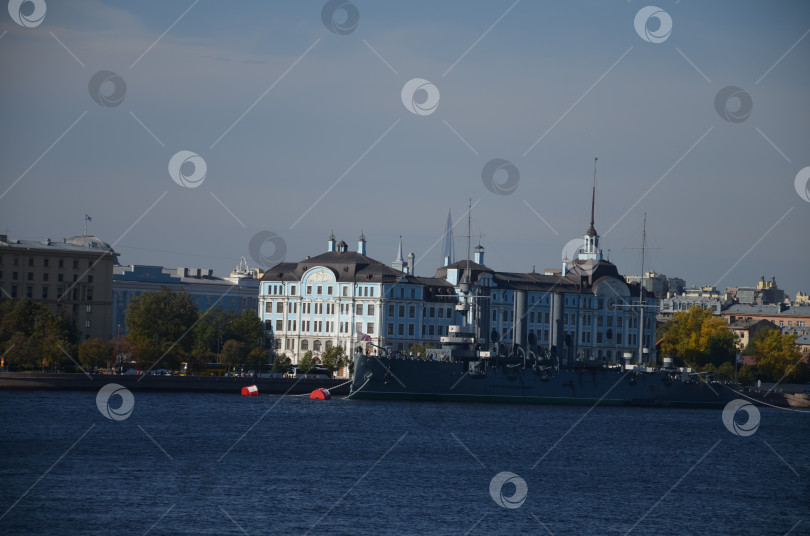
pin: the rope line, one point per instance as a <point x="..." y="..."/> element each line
<point x="327" y="388"/>
<point x="762" y="402"/>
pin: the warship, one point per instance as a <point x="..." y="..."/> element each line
<point x="471" y="366"/>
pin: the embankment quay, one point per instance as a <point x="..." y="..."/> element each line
<point x="31" y="381"/>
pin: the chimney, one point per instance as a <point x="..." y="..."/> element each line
<point x="411" y="263"/>
<point x="479" y="254"/>
<point x="361" y="244"/>
<point x="446" y="260"/>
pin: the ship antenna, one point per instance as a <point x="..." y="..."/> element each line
<point x="641" y="293"/>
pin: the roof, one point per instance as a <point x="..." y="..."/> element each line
<point x="346" y="266"/>
<point x="745" y="325"/>
<point x="81" y="245"/>
<point x="740" y="309"/>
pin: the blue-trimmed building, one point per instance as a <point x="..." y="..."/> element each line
<point x="237" y="292"/>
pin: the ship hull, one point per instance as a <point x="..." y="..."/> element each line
<point x="377" y="378"/>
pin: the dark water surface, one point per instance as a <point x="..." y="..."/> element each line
<point x="221" y="464"/>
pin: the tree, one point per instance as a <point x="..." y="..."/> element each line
<point x="95" y="353"/>
<point x="777" y="355"/>
<point x="33" y="335"/>
<point x="282" y="363"/>
<point x="419" y="349"/>
<point x="210" y="329"/>
<point x="698" y="338"/>
<point x="333" y="358"/>
<point x="306" y="362"/>
<point x="158" y="324"/>
<point x="247" y="328"/>
<point x="233" y="353"/>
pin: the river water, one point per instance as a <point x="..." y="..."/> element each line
<point x="223" y="464"/>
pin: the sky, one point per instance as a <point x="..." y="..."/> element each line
<point x="194" y="133"/>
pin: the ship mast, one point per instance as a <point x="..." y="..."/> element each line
<point x="641" y="294"/>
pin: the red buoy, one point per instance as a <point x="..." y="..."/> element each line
<point x="320" y="394"/>
<point x="250" y="390"/>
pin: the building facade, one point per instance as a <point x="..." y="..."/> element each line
<point x="237" y="292"/>
<point x="73" y="277"/>
<point x="345" y="298"/>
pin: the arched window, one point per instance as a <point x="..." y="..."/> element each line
<point x="316" y="346"/>
<point x="328" y="344"/>
<point x="305" y="345"/>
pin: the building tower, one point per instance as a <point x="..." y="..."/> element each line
<point x="590" y="248"/>
<point x="361" y="244"/>
<point x="399" y="263"/>
<point x="448" y="249"/>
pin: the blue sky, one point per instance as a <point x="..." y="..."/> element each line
<point x="322" y="112"/>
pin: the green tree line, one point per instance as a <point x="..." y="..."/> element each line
<point x="698" y="339"/>
<point x="165" y="329"/>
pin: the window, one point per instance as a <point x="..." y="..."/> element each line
<point x="411" y="329"/>
<point x="89" y="294"/>
<point x="390" y="328"/>
<point x="359" y="309"/>
<point x="441" y="313"/>
<point x="29" y="291"/>
<point x="44" y="293"/>
<point x="390" y="310"/>
<point x="329" y="290"/>
<point x="45" y="263"/>
<point x="370" y="328"/>
<point x="412" y="312"/>
<point x="13" y="291"/>
<point x="268" y="307"/>
<point x="371" y="292"/>
<point x="89" y="308"/>
<point x="320" y="290"/>
<point x="305" y="344"/>
<point x="30" y="261"/>
<point x="87" y="324"/>
<point x="309" y="289"/>
<point x="75" y="265"/>
<point x="370" y="309"/>
<point x="15" y="260"/>
<point x="61" y="263"/>
<point x="400" y="329"/>
<point x="292" y="290"/>
<point x="279" y="325"/>
<point x="345" y="290"/>
<point x="14" y="275"/>
<point x="89" y="278"/>
<point x="75" y="278"/>
<point x="402" y="311"/>
<point x="365" y="291"/>
<point x="30" y="276"/>
<point x="316" y="346"/>
<point x="279" y="306"/>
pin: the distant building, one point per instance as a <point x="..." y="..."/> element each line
<point x="766" y="292"/>
<point x="655" y="283"/>
<point x="790" y="319"/>
<point x="746" y="329"/>
<point x="237" y="292"/>
<point x="801" y="299"/>
<point x="72" y="276"/>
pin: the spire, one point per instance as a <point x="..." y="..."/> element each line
<point x="399" y="262"/>
<point x="590" y="249"/>
<point x="448" y="250"/>
<point x="591" y="229"/>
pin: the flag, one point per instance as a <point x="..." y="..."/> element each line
<point x="87" y="218"/>
<point x="363" y="336"/>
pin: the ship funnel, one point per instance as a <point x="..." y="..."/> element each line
<point x="521" y="322"/>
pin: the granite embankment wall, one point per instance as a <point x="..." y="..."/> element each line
<point x="176" y="384"/>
